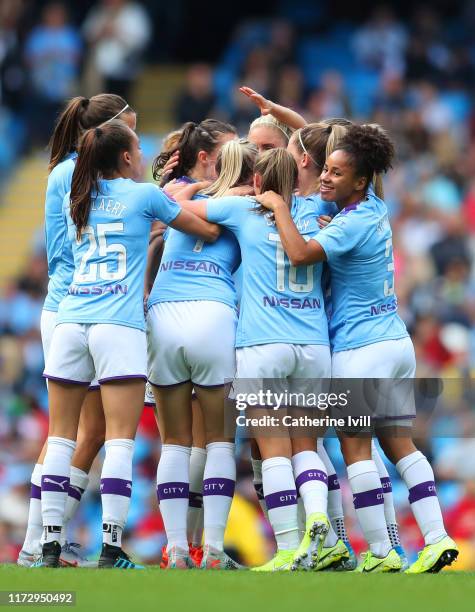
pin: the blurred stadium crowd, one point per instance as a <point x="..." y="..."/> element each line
<point x="414" y="76"/>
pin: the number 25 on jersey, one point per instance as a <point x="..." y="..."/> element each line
<point x="97" y="239"/>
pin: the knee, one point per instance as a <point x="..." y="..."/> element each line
<point x="355" y="449"/>
<point x="92" y="438"/>
<point x="179" y="440"/>
<point x="300" y="445"/>
<point x="395" y="448"/>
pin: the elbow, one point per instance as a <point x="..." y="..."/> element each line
<point x="298" y="259"/>
<point x="213" y="233"/>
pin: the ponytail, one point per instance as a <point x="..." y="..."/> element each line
<point x="336" y="134"/>
<point x="378" y="185"/>
<point x="194" y="137"/>
<point x="65" y="135"/>
<point x="98" y="155"/>
<point x="81" y="114"/>
<point x="235" y="166"/>
<point x="279" y="173"/>
<point x="187" y="158"/>
<point x="85" y="180"/>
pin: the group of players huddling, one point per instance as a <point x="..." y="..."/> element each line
<point x="280" y="205"/>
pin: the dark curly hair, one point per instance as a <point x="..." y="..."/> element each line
<point x="370" y="149"/>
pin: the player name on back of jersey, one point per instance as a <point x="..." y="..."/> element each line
<point x="108" y="205"/>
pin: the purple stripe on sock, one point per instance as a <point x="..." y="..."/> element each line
<point x="116" y="486"/>
<point x="35" y="491"/>
<point x="386" y="485"/>
<point x="281" y="498"/>
<point x="310" y="475"/>
<point x="195" y="500"/>
<point x="368" y="498"/>
<point x="422" y="490"/>
<point x="219" y="486"/>
<point x="57" y="484"/>
<point x="259" y="490"/>
<point x="333" y="483"/>
<point x="75" y="492"/>
<point x="173" y="490"/>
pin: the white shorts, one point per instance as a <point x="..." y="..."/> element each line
<point x="48" y="323"/>
<point x="191" y="341"/>
<point x="386" y="361"/>
<point x="279" y="367"/>
<point x="112" y="352"/>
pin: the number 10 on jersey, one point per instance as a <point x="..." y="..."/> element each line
<point x="283" y="269"/>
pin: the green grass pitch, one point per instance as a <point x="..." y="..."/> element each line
<point x="160" y="591"/>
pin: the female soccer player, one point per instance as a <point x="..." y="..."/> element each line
<point x="369" y="339"/>
<point x="191" y="334"/>
<point x="80" y="114"/>
<point x="310" y="150"/>
<point x="100" y="325"/>
<point x="273" y="129"/>
<point x="282" y="334"/>
<point x="297" y="145"/>
<point x="189" y="155"/>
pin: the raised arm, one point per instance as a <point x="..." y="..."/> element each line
<point x="194" y="224"/>
<point x="267" y="107"/>
<point x="299" y="251"/>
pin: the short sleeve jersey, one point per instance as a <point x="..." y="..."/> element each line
<point x="279" y="302"/>
<point x="359" y="250"/>
<point x="110" y="258"/>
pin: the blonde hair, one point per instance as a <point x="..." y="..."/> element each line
<point x="279" y="173"/>
<point x="235" y="166"/>
<point x="272" y="122"/>
<point x="171" y="140"/>
<point x="319" y="140"/>
<point x="337" y="133"/>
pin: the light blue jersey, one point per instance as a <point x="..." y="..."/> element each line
<point x="110" y="259"/>
<point x="359" y="249"/>
<point x="58" y="247"/>
<point x="279" y="302"/>
<point x="320" y="207"/>
<point x="193" y="269"/>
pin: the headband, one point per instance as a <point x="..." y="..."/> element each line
<point x="272" y="124"/>
<point x="304" y="149"/>
<point x="119" y="113"/>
